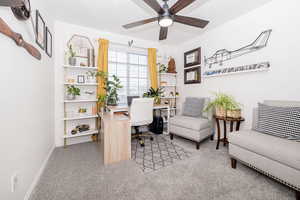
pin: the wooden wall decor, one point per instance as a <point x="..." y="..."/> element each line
<point x="192" y="75"/>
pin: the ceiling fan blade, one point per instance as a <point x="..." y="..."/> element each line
<point x="139" y="23"/>
<point x="154" y="5"/>
<point x="163" y="33"/>
<point x="191" y="21"/>
<point x="6" y="30"/>
<point x="11" y="3"/>
<point x="179" y="5"/>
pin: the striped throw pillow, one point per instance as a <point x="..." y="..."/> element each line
<point x="279" y="121"/>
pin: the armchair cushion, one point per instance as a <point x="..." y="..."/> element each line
<point x="193" y="123"/>
<point x="193" y="107"/>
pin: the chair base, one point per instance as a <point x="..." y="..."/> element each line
<point x="139" y="136"/>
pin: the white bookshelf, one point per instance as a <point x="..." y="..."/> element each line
<point x="72" y="117"/>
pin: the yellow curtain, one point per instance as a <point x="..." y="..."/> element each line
<point x="102" y="64"/>
<point x="152" y="67"/>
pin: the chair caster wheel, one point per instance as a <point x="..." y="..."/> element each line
<point x="143" y="145"/>
<point x="151" y="138"/>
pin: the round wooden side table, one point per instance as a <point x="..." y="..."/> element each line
<point x="225" y="120"/>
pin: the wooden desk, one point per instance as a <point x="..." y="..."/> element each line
<point x="115" y="138"/>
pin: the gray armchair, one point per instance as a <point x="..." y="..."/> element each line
<point x="192" y="124"/>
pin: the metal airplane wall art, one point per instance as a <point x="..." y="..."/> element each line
<point x="223" y="55"/>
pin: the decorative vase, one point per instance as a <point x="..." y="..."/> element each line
<point x="220" y="111"/>
<point x="71" y="97"/>
<point x="72" y="61"/>
<point x="234" y="113"/>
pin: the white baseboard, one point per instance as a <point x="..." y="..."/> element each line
<point x="38" y="175"/>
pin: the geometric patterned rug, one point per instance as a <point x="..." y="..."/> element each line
<point x="156" y="154"/>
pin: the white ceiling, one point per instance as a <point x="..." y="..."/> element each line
<point x="110" y="15"/>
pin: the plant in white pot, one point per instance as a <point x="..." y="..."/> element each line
<point x="225" y="106"/>
<point x="91" y="76"/>
<point x="72" y="92"/>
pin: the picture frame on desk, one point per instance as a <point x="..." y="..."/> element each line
<point x="192" y="57"/>
<point x="192" y="75"/>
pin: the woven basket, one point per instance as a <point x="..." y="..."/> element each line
<point x="220" y="112"/>
<point x="234" y="113"/>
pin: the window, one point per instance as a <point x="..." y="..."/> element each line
<point x="132" y="70"/>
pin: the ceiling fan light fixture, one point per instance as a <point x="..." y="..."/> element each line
<point x="165" y="21"/>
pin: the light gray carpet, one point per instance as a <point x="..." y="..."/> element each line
<point x="77" y="173"/>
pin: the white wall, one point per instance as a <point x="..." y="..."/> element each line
<point x="26" y="105"/>
<point x="64" y="32"/>
<point x="281" y="82"/>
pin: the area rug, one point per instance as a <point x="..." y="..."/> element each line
<point x="156" y="154"/>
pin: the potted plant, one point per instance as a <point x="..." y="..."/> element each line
<point x="91" y="76"/>
<point x="111" y="97"/>
<point x="162" y="68"/>
<point x="72" y="54"/>
<point x="72" y="92"/>
<point x="154" y="93"/>
<point x="225" y="106"/>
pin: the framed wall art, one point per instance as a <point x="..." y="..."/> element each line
<point x="192" y="75"/>
<point x="48" y="42"/>
<point x="80" y="79"/>
<point x="192" y="57"/>
<point x="40" y="30"/>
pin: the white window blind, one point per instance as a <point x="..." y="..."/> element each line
<point x="132" y="70"/>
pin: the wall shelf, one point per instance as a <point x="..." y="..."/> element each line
<point x="82" y="117"/>
<point x="82" y="84"/>
<point x="167" y="74"/>
<point x="79" y="101"/>
<point x="80" y="67"/>
<point x="85" y="133"/>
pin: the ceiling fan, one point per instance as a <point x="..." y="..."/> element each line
<point x="167" y="16"/>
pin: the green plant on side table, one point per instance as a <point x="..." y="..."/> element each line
<point x="72" y="92"/>
<point x="225" y="106"/>
<point x="112" y="87"/>
<point x="154" y="93"/>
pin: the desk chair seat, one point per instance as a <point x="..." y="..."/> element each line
<point x="141" y="114"/>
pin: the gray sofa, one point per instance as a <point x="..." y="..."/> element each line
<point x="275" y="157"/>
<point x="192" y="128"/>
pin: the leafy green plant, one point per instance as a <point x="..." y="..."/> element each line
<point x="162" y="68"/>
<point x="91" y="73"/>
<point x="111" y="87"/>
<point x="224" y="101"/>
<point x="72" y="90"/>
<point x="154" y="93"/>
<point x="72" y="53"/>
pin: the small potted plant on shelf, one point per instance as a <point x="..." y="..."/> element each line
<point x="72" y="54"/>
<point x="225" y="106"/>
<point x="154" y="93"/>
<point x="91" y="76"/>
<point x="162" y="68"/>
<point x="112" y="87"/>
<point x="72" y="92"/>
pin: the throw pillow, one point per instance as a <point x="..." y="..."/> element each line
<point x="279" y="121"/>
<point x="193" y="107"/>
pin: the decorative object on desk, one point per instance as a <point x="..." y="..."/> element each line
<point x="80" y="79"/>
<point x="162" y="68"/>
<point x="40" y="29"/>
<point x="21" y="9"/>
<point x="72" y="54"/>
<point x="192" y="57"/>
<point x="223" y="54"/>
<point x="6" y="30"/>
<point x="171" y="66"/>
<point x="222" y="103"/>
<point x="72" y="92"/>
<point x="84" y="49"/>
<point x="91" y="77"/>
<point x="264" y="66"/>
<point x="192" y="75"/>
<point x="48" y="42"/>
<point x="154" y="93"/>
<point x="111" y="87"/>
